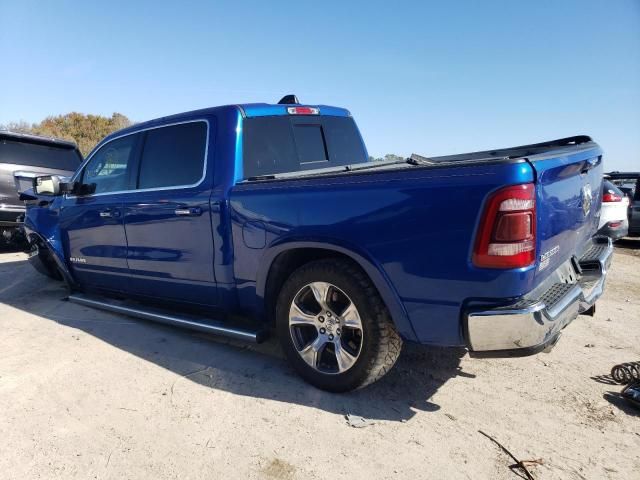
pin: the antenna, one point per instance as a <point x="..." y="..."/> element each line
<point x="289" y="100"/>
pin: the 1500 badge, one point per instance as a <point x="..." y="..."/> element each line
<point x="545" y="258"/>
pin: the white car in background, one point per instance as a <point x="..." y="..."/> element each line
<point x="614" y="221"/>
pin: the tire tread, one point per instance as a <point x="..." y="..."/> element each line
<point x="389" y="345"/>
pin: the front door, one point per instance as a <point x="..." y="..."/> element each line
<point x="168" y="220"/>
<point x="92" y="225"/>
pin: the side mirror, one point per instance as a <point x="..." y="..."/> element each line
<point x="48" y="185"/>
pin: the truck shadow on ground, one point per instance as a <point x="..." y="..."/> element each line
<point x="629" y="246"/>
<point x="250" y="370"/>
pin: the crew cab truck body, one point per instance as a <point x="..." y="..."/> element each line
<point x="274" y="214"/>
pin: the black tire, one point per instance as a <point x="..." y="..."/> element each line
<point x="380" y="342"/>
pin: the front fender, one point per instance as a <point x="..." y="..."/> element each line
<point x="376" y="274"/>
<point x="41" y="242"/>
<point x="41" y="226"/>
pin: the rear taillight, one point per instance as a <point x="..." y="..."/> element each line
<point x="611" y="197"/>
<point x="507" y="232"/>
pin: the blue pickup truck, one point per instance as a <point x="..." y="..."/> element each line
<point x="243" y="220"/>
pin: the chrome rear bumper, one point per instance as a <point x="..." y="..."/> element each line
<point x="532" y="325"/>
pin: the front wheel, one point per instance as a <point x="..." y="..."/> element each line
<point x="334" y="327"/>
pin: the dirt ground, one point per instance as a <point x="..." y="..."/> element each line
<point x="86" y="394"/>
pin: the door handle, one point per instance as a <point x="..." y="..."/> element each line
<point x="188" y="211"/>
<point x="589" y="164"/>
<point x="108" y="213"/>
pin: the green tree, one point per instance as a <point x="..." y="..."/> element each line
<point x="392" y="157"/>
<point x="389" y="157"/>
<point x="85" y="130"/>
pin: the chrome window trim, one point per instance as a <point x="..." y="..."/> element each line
<point x="155" y="189"/>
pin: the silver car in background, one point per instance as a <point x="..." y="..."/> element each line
<point x="614" y="222"/>
<point x="22" y="158"/>
<point x="629" y="184"/>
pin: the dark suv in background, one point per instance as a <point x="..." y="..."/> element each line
<point x="23" y="157"/>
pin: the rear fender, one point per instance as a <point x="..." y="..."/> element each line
<point x="375" y="273"/>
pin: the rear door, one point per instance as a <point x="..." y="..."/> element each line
<point x="92" y="226"/>
<point x="168" y="220"/>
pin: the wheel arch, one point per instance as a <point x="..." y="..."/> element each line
<point x="281" y="260"/>
<point x="64" y="272"/>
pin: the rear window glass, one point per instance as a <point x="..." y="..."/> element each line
<point x="173" y="156"/>
<point x="310" y="142"/>
<point x="629" y="187"/>
<point x="609" y="187"/>
<point x="36" y="155"/>
<point x="285" y="144"/>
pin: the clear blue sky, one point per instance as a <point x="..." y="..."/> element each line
<point x="426" y="77"/>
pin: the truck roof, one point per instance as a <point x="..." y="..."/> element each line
<point x="248" y="110"/>
<point x="41" y="140"/>
<point x="268" y="109"/>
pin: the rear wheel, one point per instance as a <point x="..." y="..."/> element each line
<point x="334" y="328"/>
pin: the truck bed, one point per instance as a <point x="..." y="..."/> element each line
<point x="486" y="157"/>
<point x="507" y="154"/>
<point x="416" y="222"/>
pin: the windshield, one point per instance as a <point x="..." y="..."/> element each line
<point x="37" y="155"/>
<point x="285" y="144"/>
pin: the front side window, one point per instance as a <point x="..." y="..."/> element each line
<point x="108" y="167"/>
<point x="173" y="156"/>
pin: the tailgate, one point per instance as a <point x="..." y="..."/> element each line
<point x="569" y="199"/>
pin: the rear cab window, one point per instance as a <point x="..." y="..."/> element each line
<point x="288" y="144"/>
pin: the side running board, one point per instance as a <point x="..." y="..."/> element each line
<point x="170" y="318"/>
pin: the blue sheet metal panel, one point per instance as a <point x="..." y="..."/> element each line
<point x="266" y="110"/>
<point x="415" y="225"/>
<point x="227" y="166"/>
<point x="563" y="223"/>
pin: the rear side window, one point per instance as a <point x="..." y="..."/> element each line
<point x="286" y="144"/>
<point x="37" y="155"/>
<point x="173" y="156"/>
